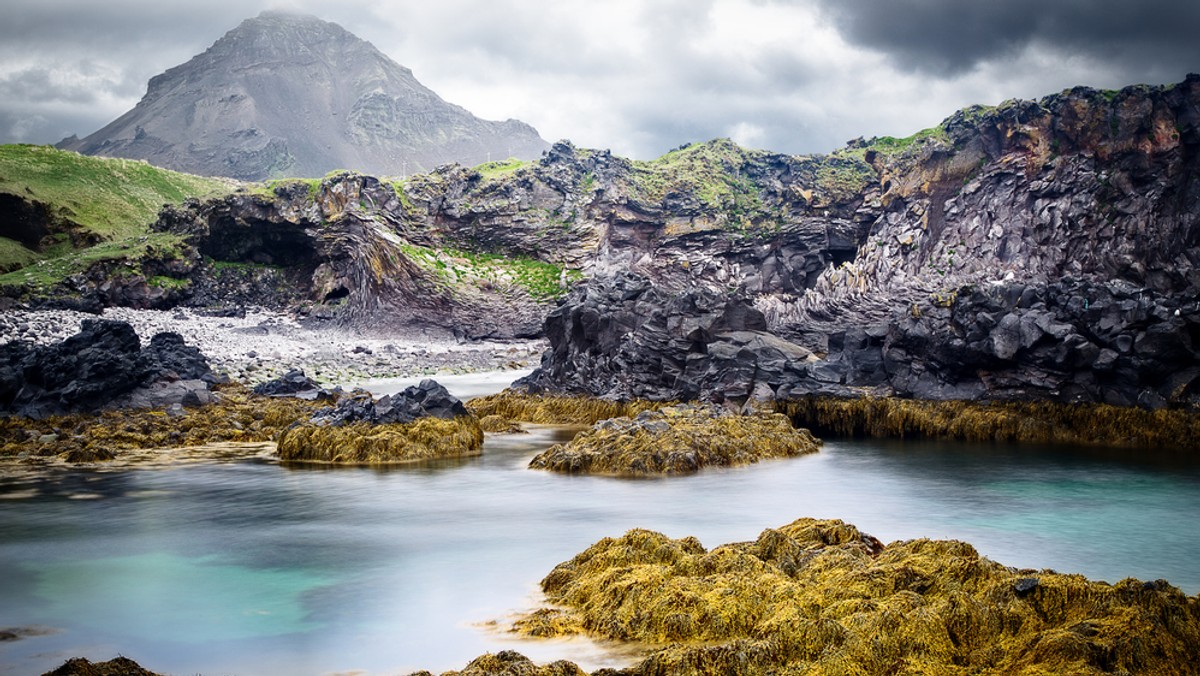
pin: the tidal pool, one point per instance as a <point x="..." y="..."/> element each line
<point x="244" y="566"/>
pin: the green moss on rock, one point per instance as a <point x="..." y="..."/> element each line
<point x="680" y="439"/>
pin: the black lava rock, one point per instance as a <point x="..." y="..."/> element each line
<point x="91" y="370"/>
<point x="428" y="398"/>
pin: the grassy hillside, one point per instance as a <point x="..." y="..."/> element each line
<point x="111" y="200"/>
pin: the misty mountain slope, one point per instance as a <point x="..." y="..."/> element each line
<point x="289" y="95"/>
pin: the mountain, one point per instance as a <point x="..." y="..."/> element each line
<point x="292" y="95"/>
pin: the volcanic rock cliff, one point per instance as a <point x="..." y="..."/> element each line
<point x="1037" y="250"/>
<point x="291" y="95"/>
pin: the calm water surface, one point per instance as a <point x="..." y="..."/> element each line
<point x="249" y="567"/>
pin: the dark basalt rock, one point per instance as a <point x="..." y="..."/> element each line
<point x="1040" y="251"/>
<point x="425" y="399"/>
<point x="293" y="384"/>
<point x="101" y="366"/>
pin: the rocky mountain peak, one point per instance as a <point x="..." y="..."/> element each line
<point x="287" y="94"/>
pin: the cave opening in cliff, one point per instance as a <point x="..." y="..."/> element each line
<point x="23" y="221"/>
<point x="279" y="245"/>
<point x="336" y="295"/>
<point x="839" y="256"/>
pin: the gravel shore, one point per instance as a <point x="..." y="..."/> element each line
<point x="262" y="345"/>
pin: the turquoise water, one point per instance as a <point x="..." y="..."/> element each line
<point x="247" y="567"/>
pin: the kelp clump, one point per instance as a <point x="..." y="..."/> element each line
<point x="238" y="415"/>
<point x="424" y="422"/>
<point x="679" y="439"/>
<point x="822" y="597"/>
<point x="1025" y="422"/>
<point x="556" y="409"/>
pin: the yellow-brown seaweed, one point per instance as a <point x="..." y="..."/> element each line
<point x="1038" y="422"/>
<point x="238" y="415"/>
<point x="675" y="440"/>
<point x="820" y="597"/>
<point x="426" y="438"/>
<point x="553" y="409"/>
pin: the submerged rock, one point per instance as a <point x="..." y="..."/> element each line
<point x="822" y="597"/>
<point x="680" y="439"/>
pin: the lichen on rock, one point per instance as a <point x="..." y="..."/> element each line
<point x="680" y="439"/>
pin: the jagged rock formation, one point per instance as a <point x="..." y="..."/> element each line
<point x="1039" y="250"/>
<point x="354" y="251"/>
<point x="102" y="366"/>
<point x="291" y="95"/>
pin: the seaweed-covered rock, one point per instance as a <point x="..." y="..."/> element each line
<point x="680" y="439"/>
<point x="822" y="597"/>
<point x="511" y="663"/>
<point x="498" y="424"/>
<point x="362" y="443"/>
<point x="423" y="422"/>
<point x="237" y="415"/>
<point x="555" y="409"/>
<point x="117" y="666"/>
<point x="101" y="366"/>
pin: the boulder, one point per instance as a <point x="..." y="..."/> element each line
<point x="293" y="384"/>
<point x="102" y="366"/>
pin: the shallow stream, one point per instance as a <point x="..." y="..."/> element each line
<point x="244" y="566"/>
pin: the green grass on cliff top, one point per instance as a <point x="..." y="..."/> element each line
<point x="712" y="171"/>
<point x="114" y="198"/>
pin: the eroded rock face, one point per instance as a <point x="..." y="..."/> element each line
<point x="103" y="365"/>
<point x="1038" y="251"/>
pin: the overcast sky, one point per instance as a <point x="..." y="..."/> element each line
<point x="637" y="76"/>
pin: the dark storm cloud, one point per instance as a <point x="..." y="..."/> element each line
<point x="637" y="76"/>
<point x="948" y="37"/>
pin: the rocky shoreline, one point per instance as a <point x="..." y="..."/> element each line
<point x="254" y="346"/>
